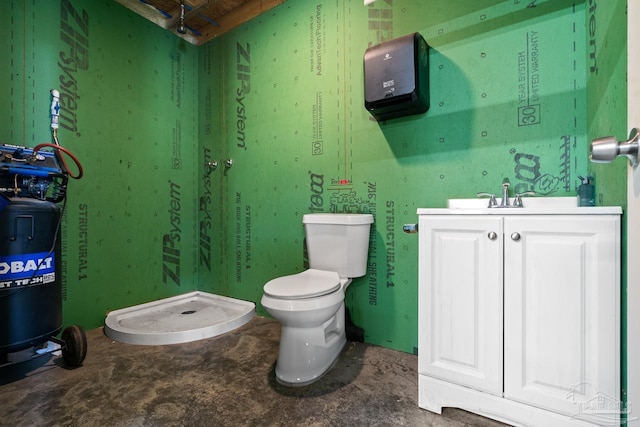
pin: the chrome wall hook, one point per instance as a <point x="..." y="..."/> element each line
<point x="228" y="163"/>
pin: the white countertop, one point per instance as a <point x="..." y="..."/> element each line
<point x="593" y="210"/>
<point x="532" y="206"/>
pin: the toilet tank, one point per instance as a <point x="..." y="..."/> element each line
<point x="338" y="242"/>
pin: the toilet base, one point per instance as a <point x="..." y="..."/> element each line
<point x="282" y="379"/>
<point x="306" y="354"/>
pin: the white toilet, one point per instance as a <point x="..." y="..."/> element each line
<point x="310" y="305"/>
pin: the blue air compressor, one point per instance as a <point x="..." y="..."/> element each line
<point x="33" y="186"/>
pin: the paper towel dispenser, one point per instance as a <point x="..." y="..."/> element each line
<point x="396" y="77"/>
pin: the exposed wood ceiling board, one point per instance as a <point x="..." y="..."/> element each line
<point x="216" y="9"/>
<point x="210" y="18"/>
<point x="238" y="16"/>
<point x="146" y="11"/>
<point x="165" y="5"/>
<point x="196" y="4"/>
<point x="200" y="22"/>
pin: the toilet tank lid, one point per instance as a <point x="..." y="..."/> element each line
<point x="337" y="218"/>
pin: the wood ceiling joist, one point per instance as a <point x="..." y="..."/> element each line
<point x="205" y="19"/>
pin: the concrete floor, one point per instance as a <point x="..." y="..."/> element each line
<point x="223" y="381"/>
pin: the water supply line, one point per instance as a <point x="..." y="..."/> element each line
<point x="182" y="29"/>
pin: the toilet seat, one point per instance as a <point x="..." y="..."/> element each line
<point x="308" y="284"/>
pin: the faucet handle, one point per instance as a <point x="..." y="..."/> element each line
<point x="492" y="199"/>
<point x="517" y="202"/>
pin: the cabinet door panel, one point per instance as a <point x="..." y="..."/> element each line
<point x="561" y="311"/>
<point x="460" y="318"/>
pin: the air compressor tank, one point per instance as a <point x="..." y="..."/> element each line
<point x="30" y="283"/>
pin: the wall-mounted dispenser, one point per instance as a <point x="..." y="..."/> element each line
<point x="606" y="149"/>
<point x="396" y="77"/>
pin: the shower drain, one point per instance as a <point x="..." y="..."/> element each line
<point x="188" y="312"/>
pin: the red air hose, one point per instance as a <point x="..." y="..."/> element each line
<point x="64" y="163"/>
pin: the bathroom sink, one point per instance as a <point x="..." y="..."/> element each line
<point x="531" y="206"/>
<point x="527" y="202"/>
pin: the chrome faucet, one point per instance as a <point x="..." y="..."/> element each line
<point x="504" y="203"/>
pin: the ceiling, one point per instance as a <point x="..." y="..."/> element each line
<point x="203" y="19"/>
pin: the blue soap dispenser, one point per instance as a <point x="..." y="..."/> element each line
<point x="586" y="192"/>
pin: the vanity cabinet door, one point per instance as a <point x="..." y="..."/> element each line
<point x="561" y="297"/>
<point x="460" y="300"/>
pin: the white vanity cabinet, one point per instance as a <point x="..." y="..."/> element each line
<point x="460" y="301"/>
<point x="519" y="314"/>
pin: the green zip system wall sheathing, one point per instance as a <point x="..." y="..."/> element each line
<point x="282" y="97"/>
<point x="129" y="113"/>
<point x="508" y="99"/>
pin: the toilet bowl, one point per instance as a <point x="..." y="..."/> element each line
<point x="313" y="332"/>
<point x="310" y="305"/>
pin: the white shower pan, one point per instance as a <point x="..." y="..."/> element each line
<point x="183" y="318"/>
